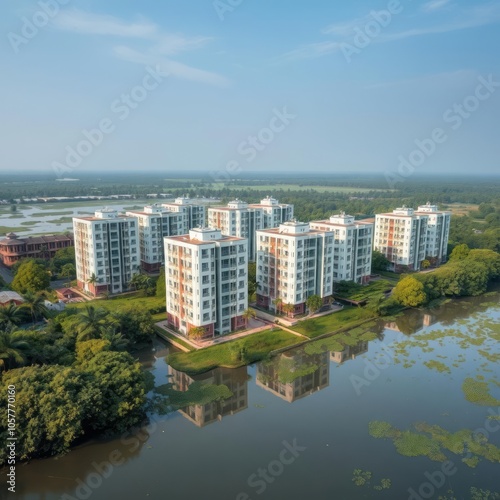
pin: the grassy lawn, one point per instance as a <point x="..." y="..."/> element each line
<point x="6" y="229"/>
<point x="364" y="292"/>
<point x="151" y="304"/>
<point x="390" y="276"/>
<point x="257" y="346"/>
<point x="348" y="317"/>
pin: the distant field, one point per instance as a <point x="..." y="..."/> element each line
<point x="460" y="208"/>
<point x="296" y="187"/>
<point x="4" y="230"/>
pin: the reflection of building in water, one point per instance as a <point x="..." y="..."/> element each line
<point x="350" y="352"/>
<point x="203" y="414"/>
<point x="282" y="376"/>
<point x="411" y="322"/>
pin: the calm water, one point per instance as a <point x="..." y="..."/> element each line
<point x="213" y="451"/>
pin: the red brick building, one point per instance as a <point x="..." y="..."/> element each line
<point x="13" y="248"/>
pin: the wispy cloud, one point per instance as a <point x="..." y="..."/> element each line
<point x="162" y="45"/>
<point x="344" y="32"/>
<point x="435" y="5"/>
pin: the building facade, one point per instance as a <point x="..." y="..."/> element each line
<point x="402" y="237"/>
<point x="14" y="248"/>
<point x="241" y="219"/>
<point x="158" y="221"/>
<point x="107" y="251"/>
<point x="438" y="232"/>
<point x="206" y="277"/>
<point x="352" y="247"/>
<point x="293" y="263"/>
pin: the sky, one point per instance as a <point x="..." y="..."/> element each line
<point x="232" y="86"/>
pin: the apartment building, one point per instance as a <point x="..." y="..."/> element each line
<point x="352" y="246"/>
<point x="241" y="219"/>
<point x="438" y="232"/>
<point x="293" y="263"/>
<point x="206" y="281"/>
<point x="402" y="237"/>
<point x="107" y="251"/>
<point x="158" y="221"/>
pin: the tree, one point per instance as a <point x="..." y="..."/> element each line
<point x="197" y="332"/>
<point x="12" y="350"/>
<point x="278" y="304"/>
<point x="489" y="258"/>
<point x="249" y="314"/>
<point x="135" y="324"/>
<point x="92" y="322"/>
<point x="409" y="292"/>
<point x="62" y="257"/>
<point x="460" y="252"/>
<point x="314" y="303"/>
<point x="87" y="349"/>
<point x="288" y="309"/>
<point x="379" y="261"/>
<point x="68" y="271"/>
<point x="161" y="290"/>
<point x="116" y="390"/>
<point x="93" y="280"/>
<point x="35" y="305"/>
<point x="252" y="279"/>
<point x="10" y="316"/>
<point x="426" y="264"/>
<point x="31" y="277"/>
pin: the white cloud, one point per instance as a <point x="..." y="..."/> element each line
<point x="435" y="5"/>
<point x="173" y="68"/>
<point x="162" y="44"/>
<point x="343" y="32"/>
<point x="94" y="24"/>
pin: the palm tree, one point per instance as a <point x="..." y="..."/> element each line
<point x="249" y="314"/>
<point x="35" y="305"/>
<point x="117" y="340"/>
<point x="288" y="308"/>
<point x="93" y="322"/>
<point x="68" y="271"/>
<point x="12" y="350"/>
<point x="93" y="280"/>
<point x="278" y="303"/>
<point x="196" y="332"/>
<point x="10" y="316"/>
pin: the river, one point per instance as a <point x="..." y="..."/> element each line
<point x="298" y="426"/>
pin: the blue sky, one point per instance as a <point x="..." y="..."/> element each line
<point x="360" y="87"/>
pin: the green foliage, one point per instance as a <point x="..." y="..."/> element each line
<point x="360" y="477"/>
<point x="409" y="292"/>
<point x="379" y="261"/>
<point x="13" y="350"/>
<point x="63" y="257"/>
<point x="198" y="393"/>
<point x="161" y="290"/>
<point x="477" y="392"/>
<point x="252" y="279"/>
<point x="31" y="277"/>
<point x="460" y="252"/>
<point x="135" y="324"/>
<point x="86" y="350"/>
<point x="314" y="303"/>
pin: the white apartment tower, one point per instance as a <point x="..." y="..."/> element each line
<point x="438" y="232"/>
<point x="206" y="281"/>
<point x="293" y="263"/>
<point x="241" y="219"/>
<point x="107" y="251"/>
<point x="352" y="247"/>
<point x="158" y="221"/>
<point x="402" y="237"/>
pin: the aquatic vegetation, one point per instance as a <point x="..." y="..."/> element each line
<point x="477" y="392"/>
<point x="494" y="358"/>
<point x="479" y="494"/>
<point x="197" y="394"/>
<point x="437" y="365"/>
<point x="432" y="441"/>
<point x="360" y="477"/>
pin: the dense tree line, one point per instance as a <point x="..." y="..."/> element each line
<point x="74" y="378"/>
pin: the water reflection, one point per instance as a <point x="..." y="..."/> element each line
<point x="236" y="380"/>
<point x="349" y="353"/>
<point x="294" y="374"/>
